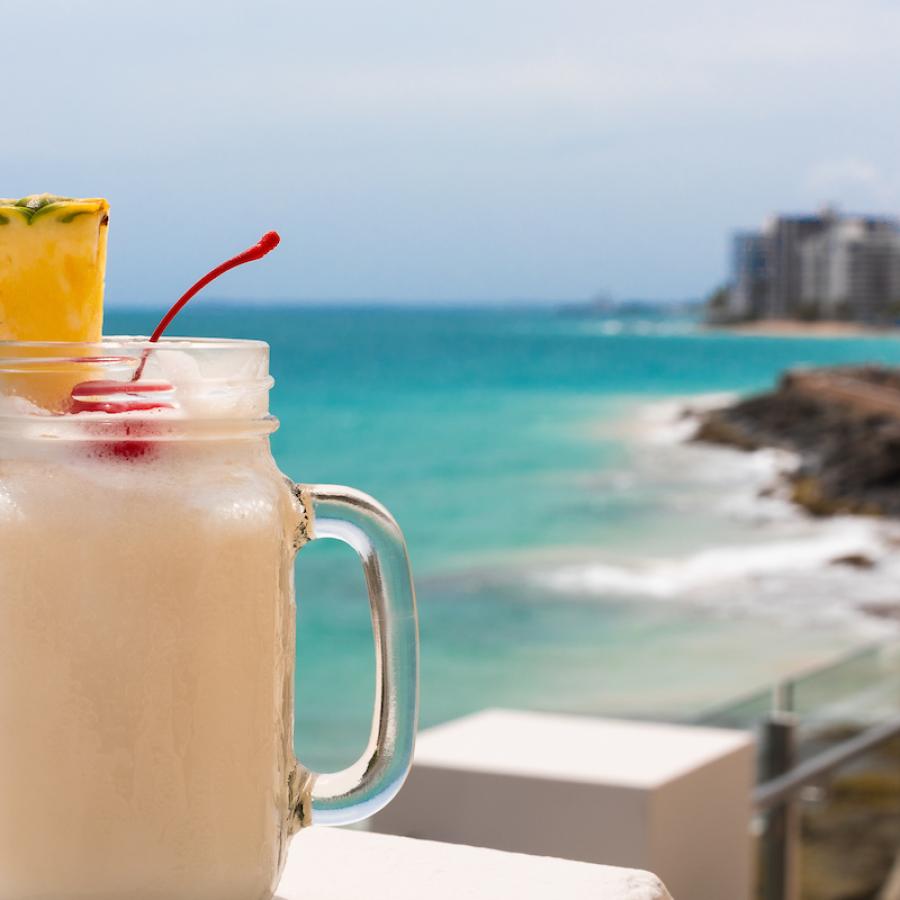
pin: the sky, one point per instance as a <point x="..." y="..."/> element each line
<point x="453" y="151"/>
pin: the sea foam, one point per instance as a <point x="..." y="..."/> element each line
<point x="727" y="536"/>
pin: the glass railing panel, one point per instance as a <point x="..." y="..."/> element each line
<point x="840" y="700"/>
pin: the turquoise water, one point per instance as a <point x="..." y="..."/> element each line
<point x="494" y="438"/>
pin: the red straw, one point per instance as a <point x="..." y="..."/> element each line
<point x="268" y="242"/>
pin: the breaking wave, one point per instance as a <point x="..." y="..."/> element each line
<point x="726" y="537"/>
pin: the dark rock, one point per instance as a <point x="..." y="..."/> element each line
<point x="843" y="423"/>
<point x="882" y="610"/>
<point x="716" y="429"/>
<point x="855" y="561"/>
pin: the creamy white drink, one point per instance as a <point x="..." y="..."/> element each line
<point x="147" y="619"/>
<point x="147" y="544"/>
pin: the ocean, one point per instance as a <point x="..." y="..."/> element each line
<point x="571" y="551"/>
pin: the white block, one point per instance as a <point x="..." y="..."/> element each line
<point x="333" y="864"/>
<point x="669" y="798"/>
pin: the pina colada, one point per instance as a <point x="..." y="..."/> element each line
<point x="147" y="544"/>
<point x="145" y="678"/>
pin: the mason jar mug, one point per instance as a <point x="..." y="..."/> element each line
<point x="147" y="615"/>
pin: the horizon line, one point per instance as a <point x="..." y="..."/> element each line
<point x="382" y="302"/>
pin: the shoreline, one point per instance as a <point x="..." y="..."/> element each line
<point x="792" y="328"/>
<point x="748" y="543"/>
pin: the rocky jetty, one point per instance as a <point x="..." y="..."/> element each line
<point x="843" y="424"/>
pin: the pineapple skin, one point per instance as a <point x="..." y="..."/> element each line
<point x="52" y="268"/>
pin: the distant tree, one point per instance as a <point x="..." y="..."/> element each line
<point x="843" y="311"/>
<point x="718" y="299"/>
<point x="809" y="311"/>
<point x="716" y="305"/>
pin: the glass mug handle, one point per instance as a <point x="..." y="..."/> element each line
<point x="359" y="791"/>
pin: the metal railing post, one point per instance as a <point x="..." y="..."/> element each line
<point x="779" y="841"/>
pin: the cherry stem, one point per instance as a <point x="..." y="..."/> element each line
<point x="268" y="242"/>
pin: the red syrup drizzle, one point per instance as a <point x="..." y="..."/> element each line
<point x="108" y="396"/>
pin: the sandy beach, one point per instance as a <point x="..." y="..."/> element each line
<point x="794" y="328"/>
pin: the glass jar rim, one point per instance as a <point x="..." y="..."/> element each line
<point x="177" y="381"/>
<point x="138" y="342"/>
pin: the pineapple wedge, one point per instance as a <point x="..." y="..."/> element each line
<point x="52" y="267"/>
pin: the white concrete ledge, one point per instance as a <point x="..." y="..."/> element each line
<point x="334" y="864"/>
<point x="671" y="799"/>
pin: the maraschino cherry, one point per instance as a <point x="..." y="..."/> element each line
<point x="136" y="395"/>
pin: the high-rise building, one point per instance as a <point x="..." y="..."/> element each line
<point x="826" y="266"/>
<point x="747" y="297"/>
<point x="783" y="237"/>
<point x="853" y="270"/>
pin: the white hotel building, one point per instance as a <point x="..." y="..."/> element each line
<point x="817" y="267"/>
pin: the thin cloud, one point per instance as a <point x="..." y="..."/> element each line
<point x="853" y="182"/>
